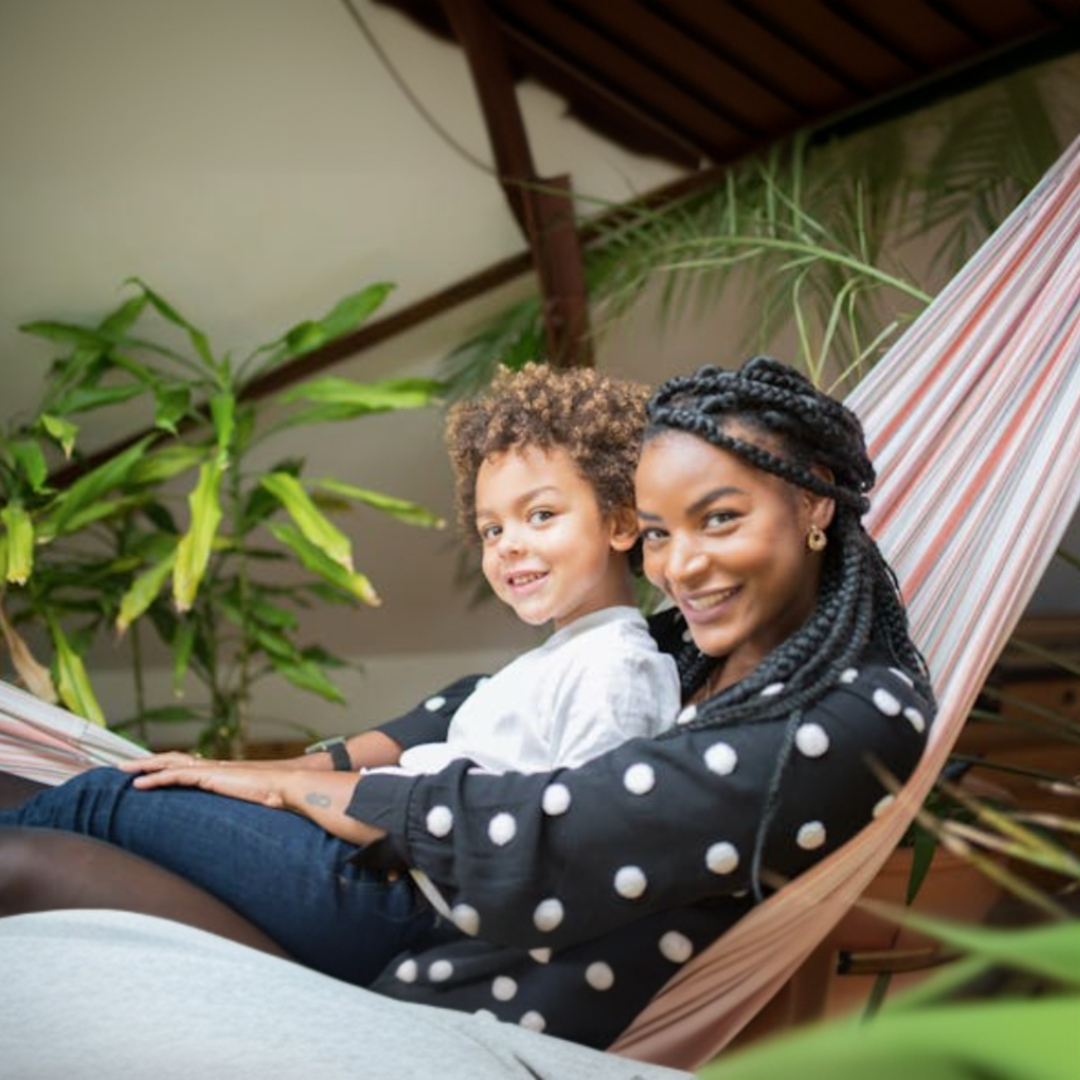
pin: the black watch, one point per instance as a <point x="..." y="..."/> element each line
<point x="337" y="750"/>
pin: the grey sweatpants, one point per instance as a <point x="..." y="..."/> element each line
<point x="101" y="994"/>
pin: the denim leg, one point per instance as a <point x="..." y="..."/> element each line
<point x="285" y="874"/>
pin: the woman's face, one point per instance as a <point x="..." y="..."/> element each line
<point x="727" y="543"/>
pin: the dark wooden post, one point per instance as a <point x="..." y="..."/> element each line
<point x="543" y="206"/>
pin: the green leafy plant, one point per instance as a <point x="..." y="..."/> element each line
<point x="180" y="531"/>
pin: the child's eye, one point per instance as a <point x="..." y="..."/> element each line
<point x="538" y="517"/>
<point x="488" y="533"/>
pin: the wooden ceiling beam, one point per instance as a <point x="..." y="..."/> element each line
<point x="543" y="206"/>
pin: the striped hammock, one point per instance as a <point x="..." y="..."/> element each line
<point x="974" y="425"/>
<point x="973" y="422"/>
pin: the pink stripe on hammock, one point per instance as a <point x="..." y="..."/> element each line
<point x="974" y="424"/>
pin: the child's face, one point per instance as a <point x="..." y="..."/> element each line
<point x="548" y="550"/>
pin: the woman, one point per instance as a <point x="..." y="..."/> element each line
<point x="577" y="894"/>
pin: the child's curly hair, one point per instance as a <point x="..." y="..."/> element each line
<point x="597" y="419"/>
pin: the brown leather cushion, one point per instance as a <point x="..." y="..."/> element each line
<point x="46" y="869"/>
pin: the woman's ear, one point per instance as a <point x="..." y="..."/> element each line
<point x="820" y="507"/>
<point x="623" y="524"/>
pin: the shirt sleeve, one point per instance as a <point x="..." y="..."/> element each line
<point x="427" y="722"/>
<point x="555" y="859"/>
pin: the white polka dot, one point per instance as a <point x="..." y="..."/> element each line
<point x="600" y="976"/>
<point x="548" y="914"/>
<point x="556" y="799"/>
<point x="773" y="689"/>
<point x="541" y="956"/>
<point x="812" y="740"/>
<point x="721" y="758"/>
<point x="886" y="703"/>
<point x="722" y="857"/>
<point x="482" y="681"/>
<point x="676" y="947"/>
<point x="502" y="829"/>
<point x="440" y="971"/>
<point x="687" y="716"/>
<point x="639" y="779"/>
<point x="407" y="971"/>
<point x="504" y="988"/>
<point x="883" y="804"/>
<point x="915" y="719"/>
<point x="810" y="836"/>
<point x="630" y="882"/>
<point x="849" y="676"/>
<point x="487" y="1014"/>
<point x="687" y="636"/>
<point x="533" y="1021"/>
<point x="466" y="918"/>
<point x="902" y="675"/>
<point x="440" y="820"/>
<point x="434" y="704"/>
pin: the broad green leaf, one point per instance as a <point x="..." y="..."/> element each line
<point x="197" y="337"/>
<point x="165" y="463"/>
<point x="335" y="399"/>
<point x="119" y="322"/>
<point x="67" y="334"/>
<point x="409" y="512"/>
<point x="60" y="431"/>
<point x="20" y="543"/>
<point x="366" y="397"/>
<point x="183" y="645"/>
<point x="288" y="490"/>
<point x="318" y="562"/>
<point x="93" y="486"/>
<point x="72" y="681"/>
<point x="1017" y="1039"/>
<point x="87" y="398"/>
<point x="275" y="644"/>
<point x="171" y="404"/>
<point x="308" y="675"/>
<point x="196" y="545"/>
<point x="346" y="315"/>
<point x="144" y="591"/>
<point x="96" y="511"/>
<point x="353" y="310"/>
<point x="31" y="461"/>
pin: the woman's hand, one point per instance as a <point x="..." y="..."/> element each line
<point x="179" y="759"/>
<point x="322" y="797"/>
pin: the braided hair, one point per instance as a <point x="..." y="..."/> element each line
<point x="859" y="600"/>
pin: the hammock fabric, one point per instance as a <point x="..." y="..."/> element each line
<point x="974" y="425"/>
<point x="973" y="421"/>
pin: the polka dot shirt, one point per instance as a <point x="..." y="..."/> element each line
<point x="575" y="895"/>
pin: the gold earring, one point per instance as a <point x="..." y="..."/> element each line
<point x="816" y="539"/>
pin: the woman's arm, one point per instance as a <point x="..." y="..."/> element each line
<point x="552" y="860"/>
<point x="319" y="795"/>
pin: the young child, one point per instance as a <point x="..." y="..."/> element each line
<point x="544" y="477"/>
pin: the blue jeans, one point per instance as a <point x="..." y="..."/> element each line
<point x="280" y="871"/>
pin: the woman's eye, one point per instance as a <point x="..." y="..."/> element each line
<point x="650" y="535"/>
<point x="716" y="518"/>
